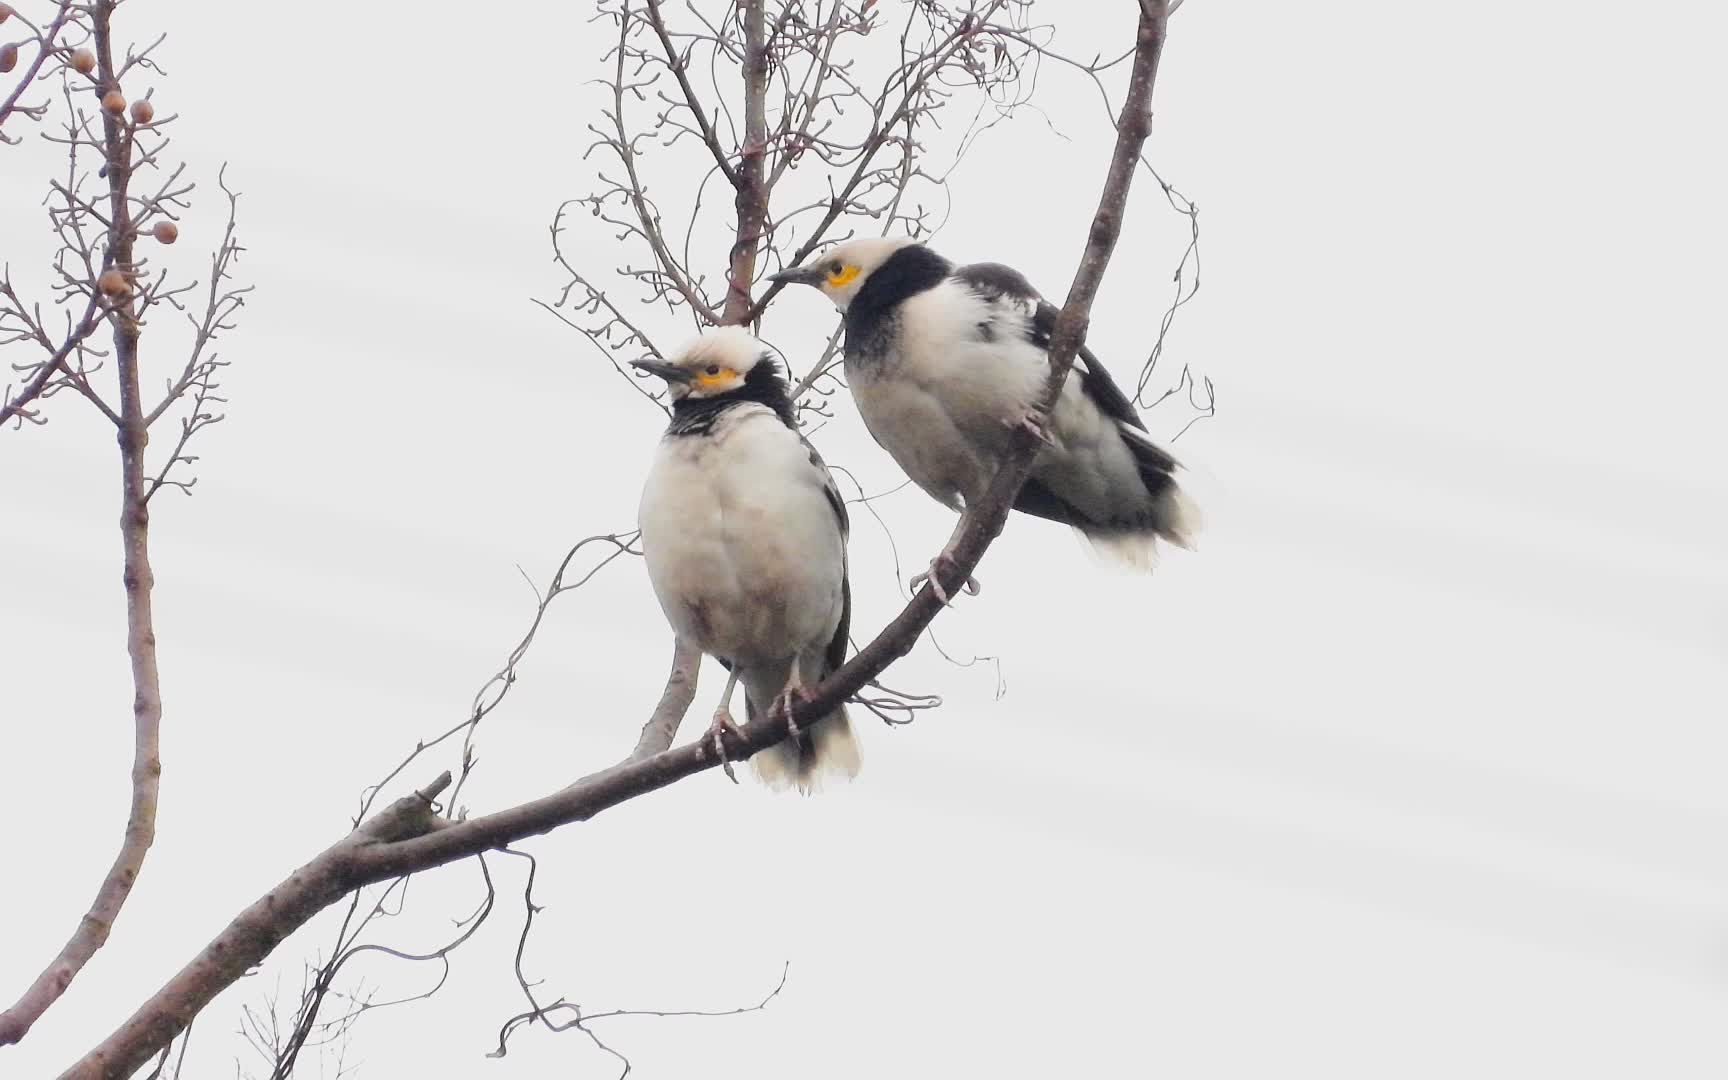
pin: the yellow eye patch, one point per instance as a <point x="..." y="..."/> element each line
<point x="723" y="378"/>
<point x="840" y="277"/>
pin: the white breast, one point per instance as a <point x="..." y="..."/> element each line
<point x="743" y="548"/>
<point x="975" y="355"/>
<point x="945" y="401"/>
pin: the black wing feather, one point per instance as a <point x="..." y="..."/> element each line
<point x="830" y="489"/>
<point x="1036" y="498"/>
<point x="998" y="282"/>
<point x="836" y="654"/>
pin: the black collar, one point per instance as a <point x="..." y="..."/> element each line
<point x="906" y="273"/>
<point x="764" y="385"/>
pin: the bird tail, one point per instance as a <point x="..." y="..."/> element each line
<point x="1176" y="516"/>
<point x="1172" y="516"/>
<point x="824" y="751"/>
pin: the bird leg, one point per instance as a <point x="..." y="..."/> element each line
<point x="723" y="725"/>
<point x="943" y="563"/>
<point x="790" y="698"/>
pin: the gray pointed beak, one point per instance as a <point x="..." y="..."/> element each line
<point x="672" y="373"/>
<point x="798" y="275"/>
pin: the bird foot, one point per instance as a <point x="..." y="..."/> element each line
<point x="940" y="565"/>
<point x="723" y="725"/>
<point x="1035" y="422"/>
<point x="790" y="698"/>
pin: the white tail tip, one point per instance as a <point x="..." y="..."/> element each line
<point x="1178" y="522"/>
<point x="1179" y="517"/>
<point x="826" y="752"/>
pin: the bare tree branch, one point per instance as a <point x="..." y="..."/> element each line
<point x="410" y="835"/>
<point x="283" y="1050"/>
<point x="98" y="267"/>
<point x="763" y="47"/>
<point x="662" y="725"/>
<point x="64" y="17"/>
<point x="93" y="929"/>
<point x="671" y="274"/>
<point x="679" y="64"/>
<point x="45" y="371"/>
<point x="751" y="201"/>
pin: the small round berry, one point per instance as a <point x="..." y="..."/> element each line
<point x="83" y="61"/>
<point x="142" y="111"/>
<point x="5" y="12"/>
<point x="166" y="232"/>
<point x="8" y="56"/>
<point x="114" y="283"/>
<point x="114" y="101"/>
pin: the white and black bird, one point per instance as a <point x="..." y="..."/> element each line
<point x="946" y="361"/>
<point x="744" y="533"/>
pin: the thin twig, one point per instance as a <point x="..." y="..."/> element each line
<point x="408" y="836"/>
<point x="93" y="929"/>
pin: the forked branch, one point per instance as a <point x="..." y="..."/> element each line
<point x="411" y="835"/>
<point x="99" y="216"/>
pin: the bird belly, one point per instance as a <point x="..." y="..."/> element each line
<point x="910" y="421"/>
<point x="746" y="567"/>
<point x="958" y="378"/>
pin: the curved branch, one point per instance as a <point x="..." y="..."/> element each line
<point x="634" y="191"/>
<point x="662" y="725"/>
<point x="44" y="49"/>
<point x="92" y="931"/>
<point x="680" y="67"/>
<point x="879" y="135"/>
<point x="409" y="836"/>
<point x="19" y="405"/>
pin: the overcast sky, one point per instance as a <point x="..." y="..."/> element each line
<point x="1415" y="769"/>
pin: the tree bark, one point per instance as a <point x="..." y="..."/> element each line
<point x="662" y="726"/>
<point x="93" y="929"/>
<point x="751" y="196"/>
<point x="409" y="837"/>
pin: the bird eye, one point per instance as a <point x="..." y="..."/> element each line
<point x="713" y="369"/>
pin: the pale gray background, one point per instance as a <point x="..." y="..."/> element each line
<point x="1417" y="769"/>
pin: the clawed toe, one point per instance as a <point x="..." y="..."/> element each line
<point x="790" y="698"/>
<point x="933" y="578"/>
<point x="723" y="725"/>
<point x="1035" y="423"/>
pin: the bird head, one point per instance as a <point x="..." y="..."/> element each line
<point x="842" y="270"/>
<point x="716" y="363"/>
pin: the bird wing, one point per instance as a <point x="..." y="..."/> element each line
<point x="836" y="651"/>
<point x="997" y="282"/>
<point x="829" y="489"/>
